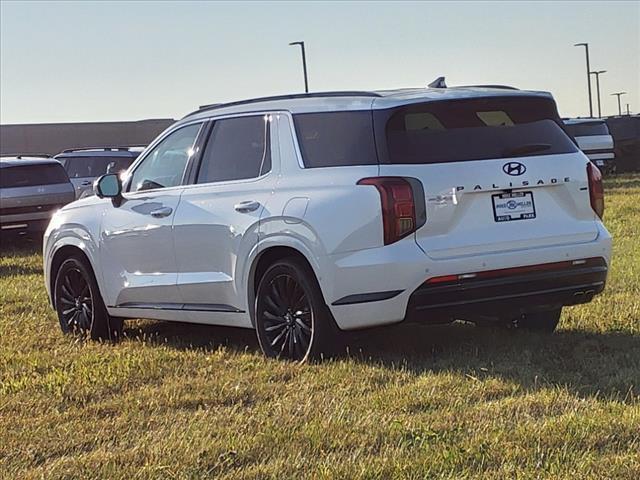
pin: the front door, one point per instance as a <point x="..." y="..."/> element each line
<point x="137" y="254"/>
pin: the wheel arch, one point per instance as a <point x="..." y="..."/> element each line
<point x="60" y="254"/>
<point x="270" y="253"/>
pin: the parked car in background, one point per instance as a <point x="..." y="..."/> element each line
<point x="84" y="165"/>
<point x="303" y="215"/>
<point x="594" y="139"/>
<point x="31" y="190"/>
<point x="625" y="130"/>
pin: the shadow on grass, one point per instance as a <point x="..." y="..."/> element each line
<point x="587" y="364"/>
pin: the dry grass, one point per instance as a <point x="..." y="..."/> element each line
<point x="183" y="401"/>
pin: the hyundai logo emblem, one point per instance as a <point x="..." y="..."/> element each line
<point x="514" y="168"/>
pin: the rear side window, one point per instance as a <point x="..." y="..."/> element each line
<point x="32" y="175"/>
<point x="81" y="167"/>
<point x="587" y="129"/>
<point x="336" y="139"/>
<point x="476" y="129"/>
<point x="237" y="148"/>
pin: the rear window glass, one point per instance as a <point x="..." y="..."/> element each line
<point x="589" y="129"/>
<point x="335" y="139"/>
<point x="80" y="167"/>
<point x="477" y="129"/>
<point x="32" y="175"/>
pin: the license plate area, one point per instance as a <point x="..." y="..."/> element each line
<point x="512" y="206"/>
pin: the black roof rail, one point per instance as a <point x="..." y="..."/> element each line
<point x="294" y="96"/>
<point x="124" y="148"/>
<point x="502" y="87"/>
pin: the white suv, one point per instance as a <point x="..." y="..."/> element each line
<point x="304" y="215"/>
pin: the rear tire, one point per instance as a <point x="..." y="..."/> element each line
<point x="79" y="304"/>
<point x="544" y="321"/>
<point x="291" y="318"/>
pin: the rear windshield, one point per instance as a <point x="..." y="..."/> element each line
<point x="589" y="129"/>
<point x="476" y="129"/>
<point x="32" y="175"/>
<point x="80" y="167"/>
<point x="334" y="139"/>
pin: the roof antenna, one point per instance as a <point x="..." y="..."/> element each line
<point x="438" y="83"/>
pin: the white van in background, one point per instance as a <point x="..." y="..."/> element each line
<point x="594" y="139"/>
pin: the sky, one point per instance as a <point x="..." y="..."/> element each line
<point x="120" y="60"/>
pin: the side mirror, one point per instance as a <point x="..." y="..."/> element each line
<point x="109" y="186"/>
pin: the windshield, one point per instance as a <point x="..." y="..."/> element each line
<point x="587" y="129"/>
<point x="475" y="129"/>
<point x="32" y="175"/>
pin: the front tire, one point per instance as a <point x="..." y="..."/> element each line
<point x="79" y="304"/>
<point x="291" y="319"/>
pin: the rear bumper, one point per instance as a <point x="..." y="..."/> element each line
<point x="498" y="292"/>
<point x="379" y="286"/>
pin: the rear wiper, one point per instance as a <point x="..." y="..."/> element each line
<point x="525" y="149"/>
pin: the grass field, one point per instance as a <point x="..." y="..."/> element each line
<point x="180" y="401"/>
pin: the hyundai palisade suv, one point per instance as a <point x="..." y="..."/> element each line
<point x="31" y="190"/>
<point x="301" y="216"/>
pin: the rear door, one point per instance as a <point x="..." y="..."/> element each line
<point x="499" y="174"/>
<point x="217" y="222"/>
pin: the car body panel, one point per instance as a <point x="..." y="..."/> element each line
<point x="137" y="252"/>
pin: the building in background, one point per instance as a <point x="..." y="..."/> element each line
<point x="52" y="138"/>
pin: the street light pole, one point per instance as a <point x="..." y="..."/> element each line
<point x="619" y="94"/>
<point x="597" y="74"/>
<point x="304" y="65"/>
<point x="586" y="49"/>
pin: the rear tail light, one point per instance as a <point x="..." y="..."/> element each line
<point x="596" y="190"/>
<point x="398" y="197"/>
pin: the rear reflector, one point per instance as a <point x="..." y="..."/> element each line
<point x="596" y="189"/>
<point x="507" y="272"/>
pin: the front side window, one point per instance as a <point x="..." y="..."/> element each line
<point x="164" y="165"/>
<point x="237" y="148"/>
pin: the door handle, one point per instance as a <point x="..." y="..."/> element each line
<point x="161" y="212"/>
<point x="86" y="183"/>
<point x="247" y="206"/>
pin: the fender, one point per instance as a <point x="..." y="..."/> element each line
<point x="245" y="271"/>
<point x="61" y="235"/>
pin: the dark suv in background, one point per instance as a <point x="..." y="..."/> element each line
<point x="84" y="165"/>
<point x="31" y="190"/>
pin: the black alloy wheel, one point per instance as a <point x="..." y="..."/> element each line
<point x="291" y="318"/>
<point x="79" y="304"/>
<point x="75" y="304"/>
